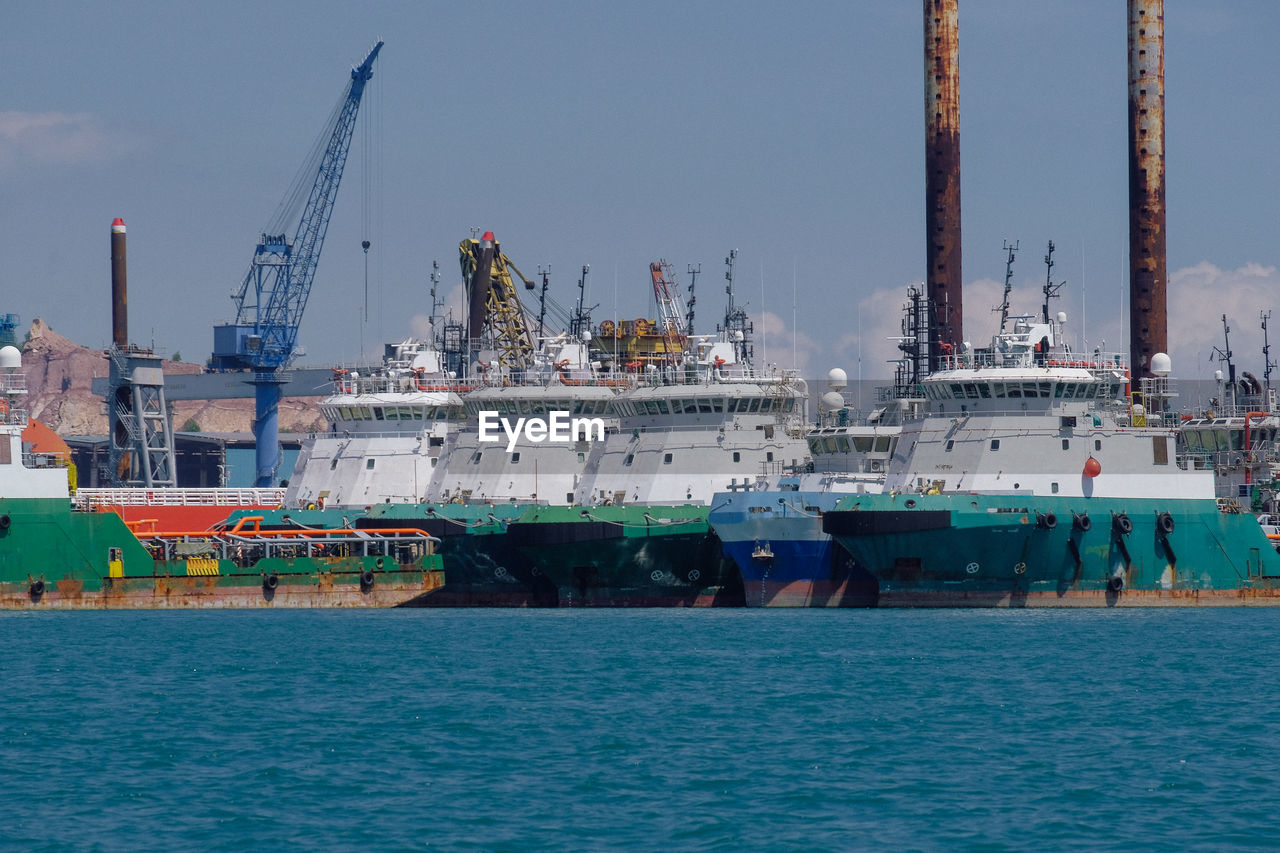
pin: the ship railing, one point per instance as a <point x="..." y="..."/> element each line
<point x="1097" y="361"/>
<point x="91" y="499"/>
<point x="13" y="383"/>
<point x="45" y="460"/>
<point x="358" y="433"/>
<point x="15" y="417"/>
<point x="246" y="547"/>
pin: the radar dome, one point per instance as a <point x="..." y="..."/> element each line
<point x="1217" y="374"/>
<point x="832" y="401"/>
<point x="837" y="378"/>
<point x="10" y="358"/>
<point x="1161" y="364"/>
<point x="1062" y="317"/>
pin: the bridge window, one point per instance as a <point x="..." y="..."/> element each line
<point x="737" y="457"/>
<point x="666" y="458"/>
<point x="995" y="444"/>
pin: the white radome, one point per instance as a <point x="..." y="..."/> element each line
<point x="10" y="358"/>
<point x="1161" y="364"/>
<point x="837" y="378"/>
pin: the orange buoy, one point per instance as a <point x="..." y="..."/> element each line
<point x="1092" y="467"/>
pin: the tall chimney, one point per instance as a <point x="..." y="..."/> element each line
<point x="1148" y="270"/>
<point x="942" y="174"/>
<point x="480" y="286"/>
<point x="119" y="289"/>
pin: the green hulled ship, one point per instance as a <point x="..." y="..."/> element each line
<point x="1038" y="479"/>
<point x="627" y="556"/>
<point x="55" y="557"/>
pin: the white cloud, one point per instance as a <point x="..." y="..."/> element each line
<point x="57" y="138"/>
<point x="782" y="345"/>
<point x="1198" y="297"/>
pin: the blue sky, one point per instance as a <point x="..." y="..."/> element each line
<point x="613" y="135"/>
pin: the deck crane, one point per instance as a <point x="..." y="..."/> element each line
<point x="495" y="306"/>
<point x="670" y="312"/>
<point x="271" y="300"/>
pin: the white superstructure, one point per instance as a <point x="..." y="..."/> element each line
<point x="1028" y="417"/>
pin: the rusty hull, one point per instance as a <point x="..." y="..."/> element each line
<point x="942" y="175"/>
<point x="1148" y="272"/>
<point x="1247" y="597"/>
<point x="396" y="588"/>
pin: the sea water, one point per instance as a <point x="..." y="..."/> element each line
<point x="646" y="729"/>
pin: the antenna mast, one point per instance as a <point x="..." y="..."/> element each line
<point x="581" y="320"/>
<point x="435" y="302"/>
<point x="1266" y="351"/>
<point x="1224" y="354"/>
<point x="1008" y="283"/>
<point x="693" y="279"/>
<point x="545" y="274"/>
<point x="1050" y="289"/>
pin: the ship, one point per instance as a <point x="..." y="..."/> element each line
<point x="693" y="418"/>
<point x="55" y="556"/>
<point x="774" y="532"/>
<point x="1041" y="477"/>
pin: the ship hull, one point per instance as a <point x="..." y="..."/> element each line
<point x="52" y="558"/>
<point x="970" y="550"/>
<point x="777" y="543"/>
<point x="631" y="556"/>
<point x="484" y="568"/>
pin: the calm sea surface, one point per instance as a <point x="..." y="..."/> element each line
<point x="657" y="729"/>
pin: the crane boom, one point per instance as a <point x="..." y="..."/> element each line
<point x="495" y="302"/>
<point x="273" y="296"/>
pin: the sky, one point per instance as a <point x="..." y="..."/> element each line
<point x="617" y="134"/>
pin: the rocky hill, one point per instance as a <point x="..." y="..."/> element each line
<point x="60" y="376"/>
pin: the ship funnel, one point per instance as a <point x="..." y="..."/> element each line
<point x="119" y="289"/>
<point x="1148" y="273"/>
<point x="942" y="175"/>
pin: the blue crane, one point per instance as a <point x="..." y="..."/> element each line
<point x="270" y="303"/>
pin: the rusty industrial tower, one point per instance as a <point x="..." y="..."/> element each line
<point x="1148" y="270"/>
<point x="942" y="174"/>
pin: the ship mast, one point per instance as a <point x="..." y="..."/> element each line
<point x="1224" y="354"/>
<point x="737" y="329"/>
<point x="1267" y="363"/>
<point x="1050" y="289"/>
<point x="1008" y="284"/>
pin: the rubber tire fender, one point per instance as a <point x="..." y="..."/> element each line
<point x="366" y="579"/>
<point x="1080" y="521"/>
<point x="1164" y="522"/>
<point x="271" y="581"/>
<point x="1122" y="524"/>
